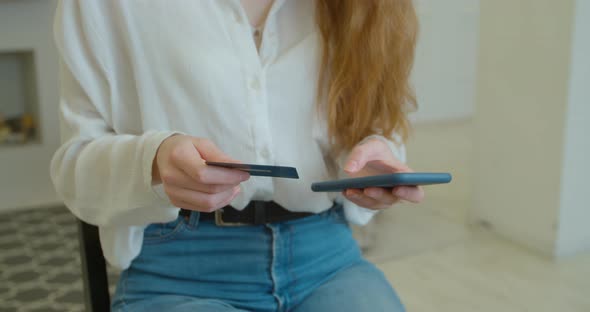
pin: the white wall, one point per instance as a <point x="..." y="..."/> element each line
<point x="574" y="216"/>
<point x="524" y="66"/>
<point x="24" y="171"/>
<point x="446" y="59"/>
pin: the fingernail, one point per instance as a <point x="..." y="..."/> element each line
<point x="399" y="192"/>
<point x="351" y="166"/>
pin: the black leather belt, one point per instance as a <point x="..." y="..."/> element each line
<point x="256" y="213"/>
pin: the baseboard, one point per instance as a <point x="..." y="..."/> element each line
<point x="41" y="205"/>
<point x="530" y="243"/>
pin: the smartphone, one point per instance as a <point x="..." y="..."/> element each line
<point x="385" y="180"/>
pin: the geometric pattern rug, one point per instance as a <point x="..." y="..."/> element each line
<point x="40" y="262"/>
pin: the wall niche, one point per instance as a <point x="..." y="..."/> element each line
<point x="19" y="105"/>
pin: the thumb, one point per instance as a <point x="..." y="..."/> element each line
<point x="359" y="157"/>
<point x="210" y="152"/>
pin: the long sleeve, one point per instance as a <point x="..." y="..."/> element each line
<point x="103" y="177"/>
<point x="355" y="213"/>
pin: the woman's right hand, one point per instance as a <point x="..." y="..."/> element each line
<point x="191" y="184"/>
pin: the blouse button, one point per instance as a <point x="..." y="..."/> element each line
<point x="265" y="153"/>
<point x="255" y="84"/>
<point x="237" y="17"/>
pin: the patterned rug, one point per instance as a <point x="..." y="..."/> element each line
<point x="40" y="263"/>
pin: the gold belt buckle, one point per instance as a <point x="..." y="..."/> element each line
<point x="219" y="220"/>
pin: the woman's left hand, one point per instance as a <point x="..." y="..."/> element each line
<point x="374" y="157"/>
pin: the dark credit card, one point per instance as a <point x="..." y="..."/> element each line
<point x="260" y="170"/>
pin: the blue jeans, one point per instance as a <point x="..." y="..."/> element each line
<point x="309" y="264"/>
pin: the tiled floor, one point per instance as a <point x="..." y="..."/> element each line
<point x="437" y="265"/>
<point x="486" y="274"/>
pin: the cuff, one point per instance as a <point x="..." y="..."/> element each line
<point x="356" y="214"/>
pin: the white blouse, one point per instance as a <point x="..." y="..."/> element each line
<point x="135" y="72"/>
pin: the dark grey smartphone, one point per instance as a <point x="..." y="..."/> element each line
<point x="385" y="180"/>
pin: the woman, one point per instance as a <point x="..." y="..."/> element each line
<point x="153" y="89"/>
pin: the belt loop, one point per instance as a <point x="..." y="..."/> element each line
<point x="193" y="219"/>
<point x="259" y="212"/>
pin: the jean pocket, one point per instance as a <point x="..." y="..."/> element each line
<point x="161" y="232"/>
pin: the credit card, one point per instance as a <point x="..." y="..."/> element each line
<point x="260" y="170"/>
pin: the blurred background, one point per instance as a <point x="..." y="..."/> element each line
<point x="504" y="94"/>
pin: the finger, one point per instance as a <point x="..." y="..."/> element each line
<point x="217" y="175"/>
<point x="209" y="151"/>
<point x="183" y="205"/>
<point x="178" y="178"/>
<point x="188" y="203"/>
<point x="413" y="194"/>
<point x="189" y="206"/>
<point x="214" y="188"/>
<point x="381" y="195"/>
<point x="186" y="158"/>
<point x="392" y="165"/>
<point x="376" y="151"/>
<point x="202" y="201"/>
<point x="236" y="193"/>
<point x="357" y="197"/>
<point x="198" y="171"/>
<point x="191" y="161"/>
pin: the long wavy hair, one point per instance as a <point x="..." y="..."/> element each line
<point x="367" y="56"/>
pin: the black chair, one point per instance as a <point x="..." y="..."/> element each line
<point x="94" y="269"/>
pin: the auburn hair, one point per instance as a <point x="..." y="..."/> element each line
<point x="367" y="56"/>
